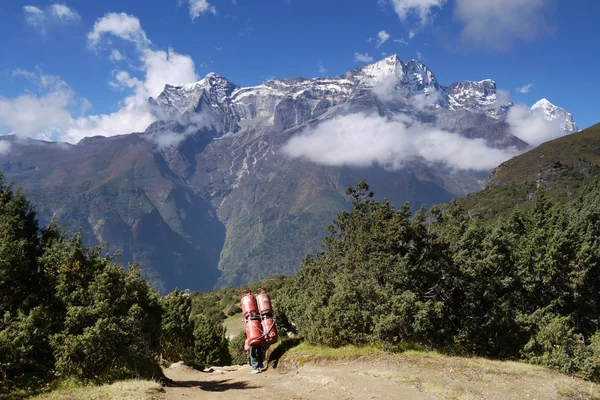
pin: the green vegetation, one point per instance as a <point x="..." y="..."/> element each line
<point x="557" y="169"/>
<point x="71" y="313"/>
<point x="525" y="287"/>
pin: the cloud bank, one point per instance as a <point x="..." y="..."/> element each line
<point x="365" y="140"/>
<point x="532" y="127"/>
<point x="44" y="114"/>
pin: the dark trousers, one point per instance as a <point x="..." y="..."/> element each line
<point x="257" y="356"/>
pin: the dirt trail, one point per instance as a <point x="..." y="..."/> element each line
<point x="340" y="382"/>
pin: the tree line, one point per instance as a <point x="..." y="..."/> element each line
<point x="68" y="311"/>
<point x="524" y="287"/>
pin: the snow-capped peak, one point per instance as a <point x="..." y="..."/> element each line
<point x="373" y="74"/>
<point x="552" y="112"/>
<point x="544" y="104"/>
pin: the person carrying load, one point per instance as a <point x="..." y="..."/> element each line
<point x="259" y="327"/>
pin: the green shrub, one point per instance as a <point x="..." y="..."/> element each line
<point x="112" y="327"/>
<point x="236" y="349"/>
<point x="210" y="343"/>
<point x="177" y="338"/>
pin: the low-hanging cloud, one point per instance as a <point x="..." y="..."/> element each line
<point x="4" y="147"/>
<point x="365" y="140"/>
<point x="499" y="24"/>
<point x="43" y="113"/>
<point x="389" y="90"/>
<point x="531" y="127"/>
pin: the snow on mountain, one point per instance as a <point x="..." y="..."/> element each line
<point x="477" y="96"/>
<point x="552" y="112"/>
<point x="286" y="103"/>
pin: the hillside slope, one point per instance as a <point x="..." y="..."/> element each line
<point x="208" y="197"/>
<point x="557" y="168"/>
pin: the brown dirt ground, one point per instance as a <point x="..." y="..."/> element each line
<point x="308" y="382"/>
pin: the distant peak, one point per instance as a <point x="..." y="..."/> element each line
<point x="543" y="103"/>
<point x="392" y="58"/>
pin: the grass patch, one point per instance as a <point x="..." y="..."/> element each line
<point x="314" y="352"/>
<point x="233" y="325"/>
<point x="132" y="389"/>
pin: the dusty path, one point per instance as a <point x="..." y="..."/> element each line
<point x="339" y="382"/>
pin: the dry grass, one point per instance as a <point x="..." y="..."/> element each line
<point x="456" y="378"/>
<point x="123" y="390"/>
<point x="233" y="325"/>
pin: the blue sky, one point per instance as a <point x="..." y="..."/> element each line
<point x="82" y="66"/>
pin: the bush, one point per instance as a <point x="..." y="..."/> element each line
<point x="210" y="343"/>
<point x="177" y="338"/>
<point x="112" y="328"/>
<point x="236" y="349"/>
<point x="523" y="287"/>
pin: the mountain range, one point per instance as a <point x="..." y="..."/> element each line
<point x="233" y="184"/>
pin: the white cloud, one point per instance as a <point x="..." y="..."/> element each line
<point x="401" y="41"/>
<point x="124" y="26"/>
<point x="365" y="140"/>
<point x="163" y="67"/>
<point x="388" y="90"/>
<point x="132" y="117"/>
<point x="39" y="116"/>
<point x="34" y="16"/>
<point x="358" y="57"/>
<point x="116" y="55"/>
<point x="531" y="127"/>
<point x="122" y="80"/>
<point x="525" y="89"/>
<point x="199" y="7"/>
<point x="219" y="48"/>
<point x="63" y="13"/>
<point x="502" y="99"/>
<point x="159" y="67"/>
<point x="56" y="14"/>
<point x="4" y="147"/>
<point x="419" y="9"/>
<point x="51" y="114"/>
<point x="412" y="34"/>
<point x="419" y="56"/>
<point x="322" y="69"/>
<point x="44" y="114"/>
<point x="383" y="37"/>
<point x="498" y="24"/>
